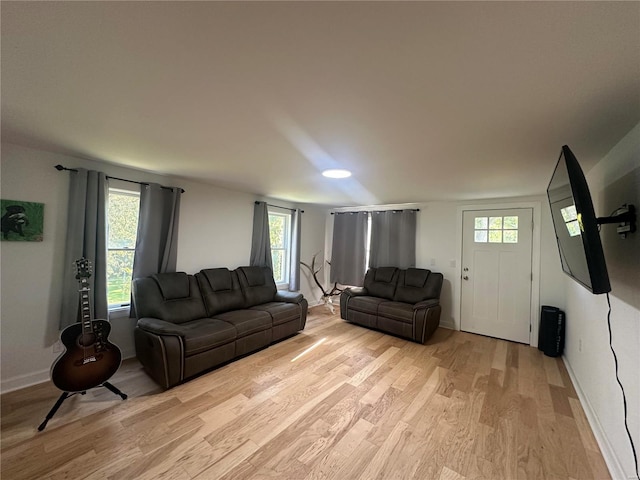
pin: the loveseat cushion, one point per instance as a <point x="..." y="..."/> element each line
<point x="381" y="282"/>
<point x="246" y="322"/>
<point x="280" y="312"/>
<point x="418" y="284"/>
<point x="365" y="304"/>
<point x="183" y="304"/>
<point x="257" y="285"/>
<point x="411" y="286"/>
<point x="220" y="289"/>
<point x="402" y="312"/>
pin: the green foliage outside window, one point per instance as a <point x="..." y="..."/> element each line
<point x="123" y="227"/>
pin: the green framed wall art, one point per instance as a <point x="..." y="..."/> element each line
<point x="22" y="221"/>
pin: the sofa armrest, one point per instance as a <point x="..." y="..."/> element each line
<point x="432" y="302"/>
<point x="160" y="327"/>
<point x="288" y="297"/>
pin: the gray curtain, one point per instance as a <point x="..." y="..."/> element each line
<point x="157" y="241"/>
<point x="294" y="264"/>
<point x="393" y="239"/>
<point x="86" y="237"/>
<point x="348" y="253"/>
<point x="260" y="241"/>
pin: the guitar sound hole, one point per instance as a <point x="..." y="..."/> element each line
<point x="86" y="339"/>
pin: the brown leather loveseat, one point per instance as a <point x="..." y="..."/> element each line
<point x="188" y="324"/>
<point x="401" y="302"/>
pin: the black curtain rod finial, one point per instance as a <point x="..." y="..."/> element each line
<point x="61" y="168"/>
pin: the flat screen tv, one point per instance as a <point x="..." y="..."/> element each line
<point x="576" y="225"/>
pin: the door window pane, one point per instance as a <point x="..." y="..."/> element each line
<point x="495" y="236"/>
<point x="480" y="236"/>
<point x="481" y="223"/>
<point x="496" y="229"/>
<point x="510" y="223"/>
<point x="510" y="236"/>
<point x="495" y="223"/>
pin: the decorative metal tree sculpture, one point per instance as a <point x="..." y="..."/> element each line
<point x="327" y="297"/>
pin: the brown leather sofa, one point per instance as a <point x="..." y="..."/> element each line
<point x="188" y="324"/>
<point x="405" y="303"/>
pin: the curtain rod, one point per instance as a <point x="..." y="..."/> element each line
<point x="374" y="211"/>
<point x="278" y="206"/>
<point x="60" y="168"/>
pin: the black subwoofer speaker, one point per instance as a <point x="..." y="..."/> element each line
<point x="551" y="333"/>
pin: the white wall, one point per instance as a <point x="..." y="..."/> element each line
<point x="215" y="230"/>
<point x="587" y="353"/>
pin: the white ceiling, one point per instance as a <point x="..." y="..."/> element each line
<point x="421" y="100"/>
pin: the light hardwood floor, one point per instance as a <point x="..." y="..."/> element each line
<point x="337" y="401"/>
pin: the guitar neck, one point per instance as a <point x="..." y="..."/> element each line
<point x="85" y="307"/>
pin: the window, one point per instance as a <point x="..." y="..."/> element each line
<point x="280" y="239"/>
<point x="496" y="229"/>
<point x="122" y="214"/>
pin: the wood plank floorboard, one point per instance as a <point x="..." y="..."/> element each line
<point x="336" y="401"/>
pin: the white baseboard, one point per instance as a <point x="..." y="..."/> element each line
<point x="23" y="381"/>
<point x="610" y="457"/>
<point x="31" y="379"/>
<point x="447" y="325"/>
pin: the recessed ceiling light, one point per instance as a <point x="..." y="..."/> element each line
<point x="336" y="173"/>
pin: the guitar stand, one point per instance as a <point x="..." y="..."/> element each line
<point x="66" y="395"/>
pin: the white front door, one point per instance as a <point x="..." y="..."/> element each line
<point x="496" y="273"/>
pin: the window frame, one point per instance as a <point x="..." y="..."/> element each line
<point x="125" y="190"/>
<point x="286" y="214"/>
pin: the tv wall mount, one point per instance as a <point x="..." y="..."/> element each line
<point x="625" y="217"/>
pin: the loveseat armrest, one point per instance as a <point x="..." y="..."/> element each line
<point x="160" y="327"/>
<point x="355" y="291"/>
<point x="288" y="297"/>
<point x="348" y="293"/>
<point x="432" y="302"/>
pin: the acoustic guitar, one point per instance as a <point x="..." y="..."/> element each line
<point x="89" y="359"/>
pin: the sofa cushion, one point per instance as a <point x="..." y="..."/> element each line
<point x="257" y="285"/>
<point x="246" y="322"/>
<point x="253" y="275"/>
<point x="220" y="289"/>
<point x="220" y="279"/>
<point x="402" y="312"/>
<point x="205" y="334"/>
<point x="150" y="301"/>
<point x="172" y="285"/>
<point x="280" y="312"/>
<point x="381" y="282"/>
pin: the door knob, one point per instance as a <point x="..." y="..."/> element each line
<point x="465" y="278"/>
